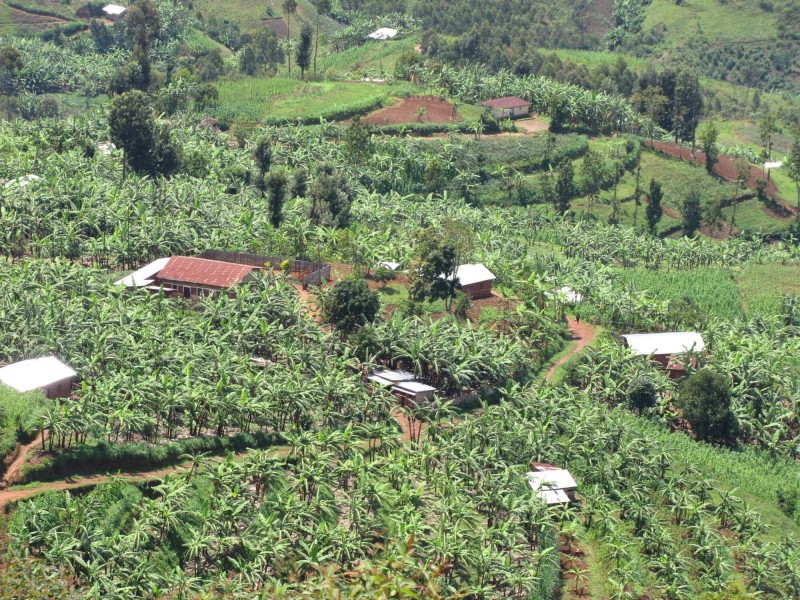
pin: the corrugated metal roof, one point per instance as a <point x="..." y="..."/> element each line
<point x="554" y="479"/>
<point x="201" y="271"/>
<point x="36" y="373"/>
<point x="506" y="102"/>
<point x="645" y="344"/>
<point x="414" y="387"/>
<point x="114" y="9"/>
<point x="144" y="276"/>
<point x="394" y="376"/>
<point x="473" y="273"/>
<point x="384" y="33"/>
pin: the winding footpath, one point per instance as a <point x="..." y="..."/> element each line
<point x="582" y="335"/>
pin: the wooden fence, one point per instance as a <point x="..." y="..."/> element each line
<point x="315" y="272"/>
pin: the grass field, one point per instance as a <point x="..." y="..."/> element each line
<point x="6" y="21"/>
<point x="374" y="59"/>
<point x="249" y="14"/>
<point x="279" y="98"/>
<point x="713" y="290"/>
<point x="735" y="20"/>
<point x="764" y="285"/>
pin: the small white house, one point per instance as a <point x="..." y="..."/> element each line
<point x="551" y="484"/>
<point x="389" y="377"/>
<point x="145" y="276"/>
<point x="414" y="390"/>
<point x="664" y="344"/>
<point x="389" y="264"/>
<point x="475" y="279"/>
<point x="113" y="12"/>
<point x="47" y="374"/>
<point x="509" y="107"/>
<point x="384" y="33"/>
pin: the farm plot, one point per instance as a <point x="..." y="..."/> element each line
<point x="415" y="109"/>
<point x="271" y="100"/>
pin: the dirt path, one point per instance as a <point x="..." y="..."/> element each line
<point x="15" y="468"/>
<point x="582" y="334"/>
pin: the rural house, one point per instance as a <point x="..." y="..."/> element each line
<point x="384" y="33"/>
<point x="144" y="277"/>
<point x="195" y="277"/>
<point x="113" y="12"/>
<point x="665" y="347"/>
<point x="47" y="374"/>
<point x="509" y="107"/>
<point x="552" y="484"/>
<point x="475" y="279"/>
<point x="414" y="390"/>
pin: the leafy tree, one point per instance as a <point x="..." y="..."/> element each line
<point x="432" y="272"/>
<point x="593" y="173"/>
<point x="643" y="394"/>
<point x="767" y="128"/>
<point x="299" y="182"/>
<point x="289" y="8"/>
<point x="10" y="64"/>
<point x="742" y="175"/>
<point x="651" y="102"/>
<point x="248" y="63"/>
<point x="383" y="276"/>
<point x="565" y="186"/>
<point x="205" y="96"/>
<point x="304" y="49"/>
<point x="357" y="141"/>
<point x="793" y="166"/>
<point x="708" y="144"/>
<point x="692" y="213"/>
<point x="705" y="399"/>
<point x="331" y="197"/>
<point x="654" y="210"/>
<point x="350" y="304"/>
<point x="278" y="184"/>
<point x="322" y="7"/>
<point x="263" y="154"/>
<point x="211" y="67"/>
<point x="132" y="128"/>
<point x="687" y="106"/>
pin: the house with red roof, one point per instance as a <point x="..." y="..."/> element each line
<point x="194" y="277"/>
<point x="509" y="107"/>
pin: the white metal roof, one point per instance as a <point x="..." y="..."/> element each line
<point x="22" y="181"/>
<point x="777" y="164"/>
<point x="388" y="264"/>
<point x="394" y="376"/>
<point x="567" y="294"/>
<point x="415" y="387"/>
<point x="645" y="344"/>
<point x="114" y="9"/>
<point x="554" y="479"/>
<point x="552" y="497"/>
<point x="106" y="148"/>
<point x="380" y="380"/>
<point x="144" y="276"/>
<point x="473" y="273"/>
<point x="35" y="373"/>
<point x="384" y="33"/>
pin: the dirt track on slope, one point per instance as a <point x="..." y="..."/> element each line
<point x="582" y="334"/>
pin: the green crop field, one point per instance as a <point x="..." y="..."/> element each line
<point x="713" y="290"/>
<point x="278" y="99"/>
<point x="250" y="15"/>
<point x="6" y="21"/>
<point x="763" y="286"/>
<point x="374" y="59"/>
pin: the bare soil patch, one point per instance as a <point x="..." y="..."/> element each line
<point x="27" y="22"/>
<point x="437" y="110"/>
<point x="582" y="334"/>
<point x="278" y="25"/>
<point x="726" y="168"/>
<point x="532" y="125"/>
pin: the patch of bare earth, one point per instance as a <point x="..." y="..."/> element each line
<point x="27" y="22"/>
<point x="415" y="109"/>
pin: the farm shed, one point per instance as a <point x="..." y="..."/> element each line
<point x="145" y="276"/>
<point x="476" y="280"/>
<point x="388" y="264"/>
<point x="508" y="107"/>
<point x="414" y="390"/>
<point x="664" y="347"/>
<point x="194" y="277"/>
<point x="113" y="12"/>
<point x="47" y="374"/>
<point x="552" y="484"/>
<point x="384" y="33"/>
<point x="388" y="378"/>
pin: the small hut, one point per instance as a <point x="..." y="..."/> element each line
<point x="47" y="374"/>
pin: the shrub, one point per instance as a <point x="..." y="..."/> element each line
<point x="705" y="399"/>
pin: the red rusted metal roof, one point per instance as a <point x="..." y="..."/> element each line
<point x="201" y="271"/>
<point x="507" y="102"/>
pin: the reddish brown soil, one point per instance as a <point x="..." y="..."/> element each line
<point x="437" y="110"/>
<point x="725" y="167"/>
<point x="572" y="558"/>
<point x="583" y="334"/>
<point x="15" y="468"/>
<point x="27" y="22"/>
<point x="278" y="25"/>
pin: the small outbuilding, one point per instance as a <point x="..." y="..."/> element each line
<point x="384" y="33"/>
<point x="390" y="377"/>
<point x="145" y="276"/>
<point x="509" y="107"/>
<point x="666" y="347"/>
<point x="476" y="280"/>
<point x="414" y="390"/>
<point x="552" y="484"/>
<point x="195" y="277"/>
<point x="565" y="294"/>
<point x="113" y="12"/>
<point x="47" y="374"/>
<point x="389" y="264"/>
